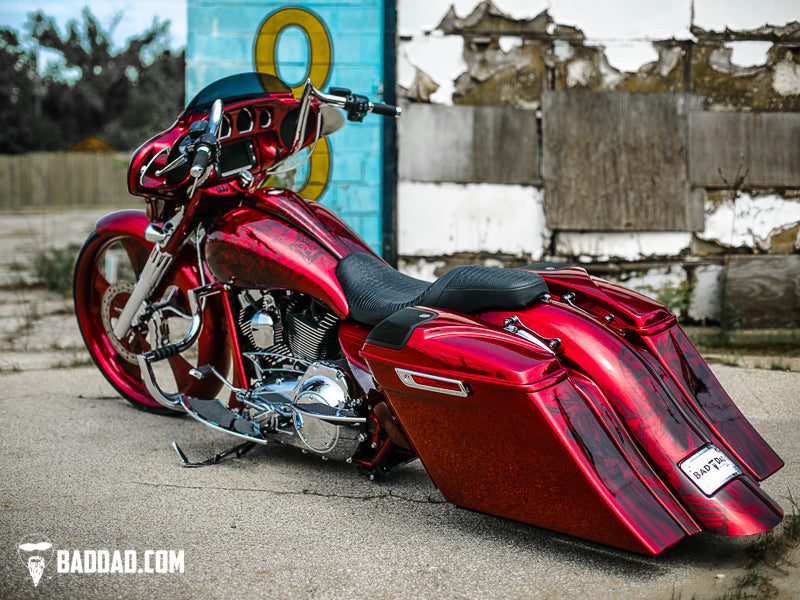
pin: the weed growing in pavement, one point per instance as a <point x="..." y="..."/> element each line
<point x="774" y="545"/>
<point x="17" y="267"/>
<point x="779" y="365"/>
<point x="53" y="269"/>
<point x="31" y="316"/>
<point x="770" y="549"/>
<point x="77" y="361"/>
<point x="731" y="361"/>
<point x="753" y="584"/>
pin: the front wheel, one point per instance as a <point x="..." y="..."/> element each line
<point x="106" y="271"/>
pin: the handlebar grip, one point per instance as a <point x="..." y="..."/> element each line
<point x="200" y="160"/>
<point x="386" y="110"/>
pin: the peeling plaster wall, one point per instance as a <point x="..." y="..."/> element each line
<point x="738" y="55"/>
<point x="612" y="245"/>
<point x="625" y="30"/>
<point x="763" y="223"/>
<point x="448" y="218"/>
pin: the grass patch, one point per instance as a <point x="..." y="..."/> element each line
<point x="770" y="549"/>
<point x="753" y="584"/>
<point x="53" y="269"/>
<point x="76" y="362"/>
<point x="17" y="267"/>
<point x="31" y="316"/>
<point x="731" y="361"/>
<point x="774" y="544"/>
<point x="779" y="365"/>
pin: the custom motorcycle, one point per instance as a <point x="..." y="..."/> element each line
<point x="539" y="394"/>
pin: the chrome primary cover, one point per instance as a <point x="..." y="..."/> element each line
<point x="321" y="388"/>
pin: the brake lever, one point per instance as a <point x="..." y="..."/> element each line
<point x="172" y="166"/>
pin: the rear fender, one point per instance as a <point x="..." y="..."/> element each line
<point x="713" y="405"/>
<point x="633" y="394"/>
<point x="653" y="333"/>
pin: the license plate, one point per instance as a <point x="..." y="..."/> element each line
<point x="709" y="469"/>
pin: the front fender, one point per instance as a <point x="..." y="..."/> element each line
<point x="128" y="222"/>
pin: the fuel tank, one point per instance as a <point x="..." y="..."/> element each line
<point x="616" y="435"/>
<point x="278" y="240"/>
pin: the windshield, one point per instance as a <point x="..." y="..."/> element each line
<point x="245" y="86"/>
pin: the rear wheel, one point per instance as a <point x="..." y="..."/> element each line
<point x="106" y="271"/>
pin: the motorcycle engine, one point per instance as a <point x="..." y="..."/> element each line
<point x="288" y="326"/>
<point x="294" y="325"/>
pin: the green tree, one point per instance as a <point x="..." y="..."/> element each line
<point x="21" y="122"/>
<point x="120" y="97"/>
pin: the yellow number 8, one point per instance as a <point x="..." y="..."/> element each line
<point x="319" y="41"/>
<point x="319" y="69"/>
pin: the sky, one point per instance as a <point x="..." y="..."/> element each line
<point x="137" y="15"/>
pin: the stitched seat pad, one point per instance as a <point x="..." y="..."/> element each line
<point x="374" y="290"/>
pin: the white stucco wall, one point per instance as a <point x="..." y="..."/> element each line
<point x="606" y="245"/>
<point x="445" y="218"/>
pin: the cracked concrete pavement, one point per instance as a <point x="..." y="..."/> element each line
<point x="88" y="471"/>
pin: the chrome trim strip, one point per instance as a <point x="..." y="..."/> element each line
<point x="337" y="418"/>
<point x="407" y="377"/>
<point x="250" y="116"/>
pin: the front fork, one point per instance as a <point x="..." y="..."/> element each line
<point x="157" y="264"/>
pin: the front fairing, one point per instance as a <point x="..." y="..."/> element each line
<point x="257" y="131"/>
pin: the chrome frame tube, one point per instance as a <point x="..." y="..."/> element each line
<point x="173" y="401"/>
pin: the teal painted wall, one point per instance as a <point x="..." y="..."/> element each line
<point x="222" y="38"/>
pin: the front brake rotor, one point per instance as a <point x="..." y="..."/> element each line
<point x="114" y="298"/>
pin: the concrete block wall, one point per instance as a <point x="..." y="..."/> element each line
<point x="736" y="146"/>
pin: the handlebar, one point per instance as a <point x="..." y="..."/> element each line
<point x="206" y="150"/>
<point x="200" y="162"/>
<point x="206" y="146"/>
<point x="355" y="105"/>
<point x="385" y="110"/>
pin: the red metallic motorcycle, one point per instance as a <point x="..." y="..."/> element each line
<point x="539" y="394"/>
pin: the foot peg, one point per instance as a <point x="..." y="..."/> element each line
<point x="218" y="416"/>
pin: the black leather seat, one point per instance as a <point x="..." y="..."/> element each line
<point x="374" y="290"/>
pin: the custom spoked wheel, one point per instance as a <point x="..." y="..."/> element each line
<point x="105" y="274"/>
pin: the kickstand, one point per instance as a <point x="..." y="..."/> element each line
<point x="239" y="451"/>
